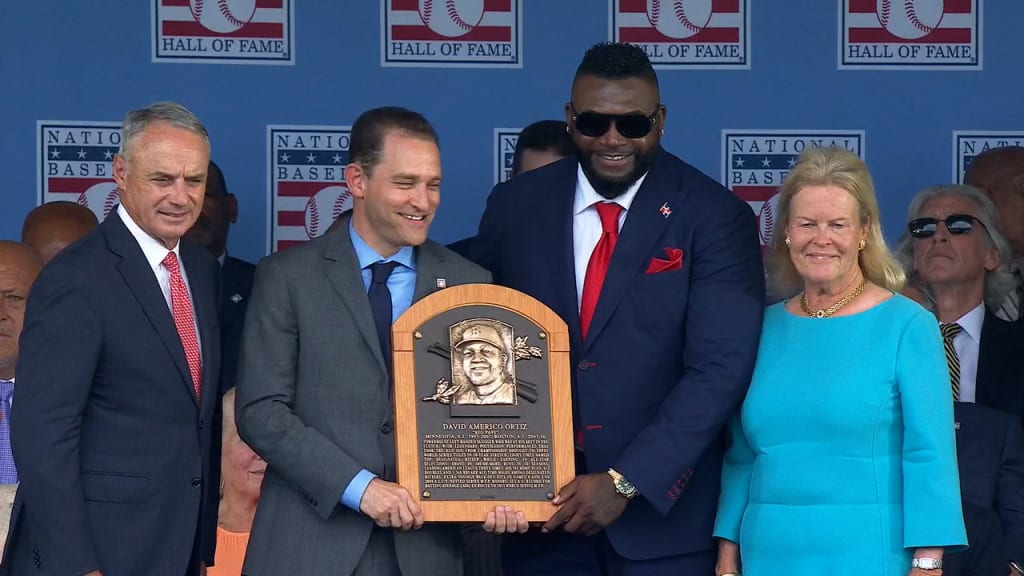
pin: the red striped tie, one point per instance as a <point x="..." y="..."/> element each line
<point x="184" y="321"/>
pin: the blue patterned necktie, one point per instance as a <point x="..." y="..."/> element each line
<point x="8" y="473"/>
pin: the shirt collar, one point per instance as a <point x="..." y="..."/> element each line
<point x="152" y="249"/>
<point x="367" y="256"/>
<point x="972" y="321"/>
<point x="586" y="196"/>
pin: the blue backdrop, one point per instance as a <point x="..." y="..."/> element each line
<point x="322" y="62"/>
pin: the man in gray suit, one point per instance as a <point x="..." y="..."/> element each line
<point x="315" y="392"/>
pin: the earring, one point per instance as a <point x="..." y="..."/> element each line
<point x="787" y="240"/>
<point x="862" y="243"/>
<point x="567" y="131"/>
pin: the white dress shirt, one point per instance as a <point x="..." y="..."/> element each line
<point x="586" y="224"/>
<point x="967" y="344"/>
<point x="155" y="252"/>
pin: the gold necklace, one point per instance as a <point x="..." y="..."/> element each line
<point x="826" y="312"/>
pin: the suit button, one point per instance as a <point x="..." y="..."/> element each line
<point x="202" y="425"/>
<point x="583" y="365"/>
<point x="196" y="481"/>
<point x="386" y="428"/>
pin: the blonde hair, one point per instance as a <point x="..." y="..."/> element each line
<point x="844" y="169"/>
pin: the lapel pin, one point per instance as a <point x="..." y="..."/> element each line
<point x="442" y="283"/>
<point x="236" y="298"/>
<point x="665" y="210"/>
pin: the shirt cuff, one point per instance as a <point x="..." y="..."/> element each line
<point x="354" y="492"/>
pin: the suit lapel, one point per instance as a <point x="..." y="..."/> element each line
<point x="140" y="279"/>
<point x="556" y="238"/>
<point x="199" y="281"/>
<point x="429" y="268"/>
<point x="990" y="355"/>
<point x="644" y="225"/>
<point x="342" y="269"/>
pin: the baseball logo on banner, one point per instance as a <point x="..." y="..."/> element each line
<point x="755" y="162"/>
<point x="969" y="143"/>
<point x="306" y="182"/>
<point x="910" y="34"/>
<point x="223" y="31"/>
<point x="504" y="152"/>
<point x="685" y="33"/>
<point x="452" y="33"/>
<point x="76" y="163"/>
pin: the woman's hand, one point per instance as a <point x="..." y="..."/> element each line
<point x="728" y="558"/>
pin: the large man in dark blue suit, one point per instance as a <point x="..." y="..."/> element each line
<point x="672" y="337"/>
<point x="113" y="428"/>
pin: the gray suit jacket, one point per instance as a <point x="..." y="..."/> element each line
<point x="314" y="401"/>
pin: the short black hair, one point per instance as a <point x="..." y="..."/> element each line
<point x="613" y="60"/>
<point x="216" y="176"/>
<point x="366" y="141"/>
<point x="543" y="135"/>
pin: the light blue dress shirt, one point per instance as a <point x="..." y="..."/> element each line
<point x="401" y="284"/>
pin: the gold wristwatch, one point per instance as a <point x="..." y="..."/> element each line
<point x="624" y="487"/>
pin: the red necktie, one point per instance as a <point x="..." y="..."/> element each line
<point x="184" y="321"/>
<point x="597" y="268"/>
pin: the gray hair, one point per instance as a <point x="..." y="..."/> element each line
<point x="999" y="282"/>
<point x="136" y="121"/>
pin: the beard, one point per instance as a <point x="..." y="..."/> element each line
<point x="613" y="188"/>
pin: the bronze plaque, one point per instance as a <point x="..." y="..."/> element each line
<point x="482" y="403"/>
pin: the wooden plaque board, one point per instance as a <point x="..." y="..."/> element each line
<point x="483" y="407"/>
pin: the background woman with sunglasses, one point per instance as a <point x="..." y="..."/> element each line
<point x="843" y="459"/>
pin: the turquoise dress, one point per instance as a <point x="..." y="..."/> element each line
<point x="844" y="458"/>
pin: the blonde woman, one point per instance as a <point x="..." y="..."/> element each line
<point x="843" y="461"/>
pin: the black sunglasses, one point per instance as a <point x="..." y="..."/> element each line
<point x="956" y="224"/>
<point x="595" y="124"/>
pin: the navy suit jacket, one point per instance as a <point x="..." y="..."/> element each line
<point x="236" y="277"/>
<point x="668" y="356"/>
<point x="1000" y="378"/>
<point x="118" y="458"/>
<point x="990" y="453"/>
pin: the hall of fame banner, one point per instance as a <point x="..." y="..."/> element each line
<point x="755" y="162"/>
<point x="451" y="33"/>
<point x="969" y="143"/>
<point x="910" y="34"/>
<point x="223" y="31"/>
<point x="305" y="182"/>
<point x="690" y="34"/>
<point x="504" y="152"/>
<point x="75" y="163"/>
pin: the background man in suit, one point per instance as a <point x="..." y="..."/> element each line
<point x="955" y="252"/>
<point x="538" y="144"/>
<point x="53" y="226"/>
<point x="314" y="398"/>
<point x="657" y="271"/>
<point x="19" y="266"/>
<point x="990" y="454"/>
<point x="999" y="172"/>
<point x="220" y="210"/>
<point x="114" y="432"/>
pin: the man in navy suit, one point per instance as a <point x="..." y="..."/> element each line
<point x="990" y="453"/>
<point x="657" y="271"/>
<point x="220" y="211"/>
<point x="114" y="432"/>
<point x="956" y="253"/>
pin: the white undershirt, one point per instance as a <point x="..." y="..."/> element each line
<point x="586" y="224"/>
<point x="155" y="252"/>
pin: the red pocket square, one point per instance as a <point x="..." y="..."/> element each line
<point x="674" y="261"/>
